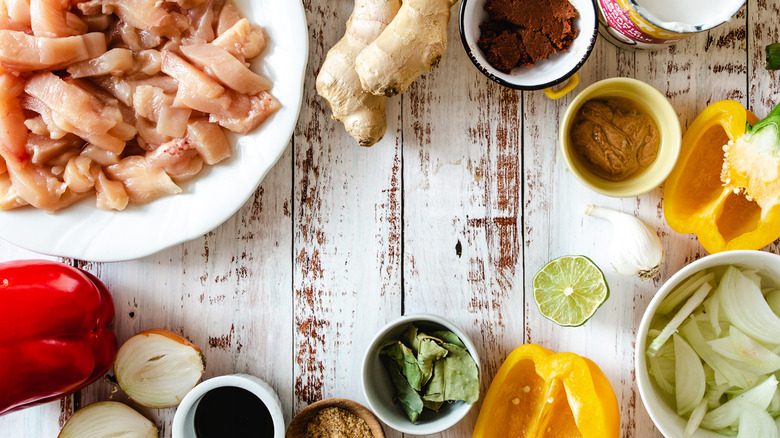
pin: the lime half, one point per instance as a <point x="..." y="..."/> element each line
<point x="569" y="290"/>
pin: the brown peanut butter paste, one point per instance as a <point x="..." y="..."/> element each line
<point x="614" y="138"/>
<point x="521" y="32"/>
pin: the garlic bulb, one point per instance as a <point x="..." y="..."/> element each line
<point x="636" y="248"/>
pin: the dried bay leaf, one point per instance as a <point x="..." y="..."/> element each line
<point x="461" y="376"/>
<point x="429" y="352"/>
<point x="409" y="398"/>
<point x="407" y="364"/>
<point x="448" y="337"/>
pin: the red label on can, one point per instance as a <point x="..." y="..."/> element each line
<point x="620" y="21"/>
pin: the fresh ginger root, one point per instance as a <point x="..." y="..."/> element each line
<point x="362" y="113"/>
<point x="412" y="44"/>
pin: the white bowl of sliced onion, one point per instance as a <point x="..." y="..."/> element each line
<point x="708" y="348"/>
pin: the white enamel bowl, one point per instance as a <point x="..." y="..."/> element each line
<point x="544" y="73"/>
<point x="662" y="413"/>
<point x="88" y="233"/>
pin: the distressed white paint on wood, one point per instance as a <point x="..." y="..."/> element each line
<point x="229" y="292"/>
<point x="347" y="241"/>
<point x="462" y="210"/>
<point x="462" y="199"/>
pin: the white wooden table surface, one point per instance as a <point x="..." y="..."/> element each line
<point x="452" y="213"/>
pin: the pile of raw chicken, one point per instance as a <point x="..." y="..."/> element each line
<point x="121" y="99"/>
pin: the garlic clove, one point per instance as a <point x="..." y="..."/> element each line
<point x="636" y="248"/>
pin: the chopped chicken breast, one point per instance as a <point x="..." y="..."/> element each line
<point x="220" y="64"/>
<point x="114" y="62"/>
<point x="22" y="52"/>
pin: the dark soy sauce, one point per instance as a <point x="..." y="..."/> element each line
<point x="234" y="412"/>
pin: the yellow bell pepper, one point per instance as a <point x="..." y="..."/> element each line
<point x="540" y="394"/>
<point x="725" y="186"/>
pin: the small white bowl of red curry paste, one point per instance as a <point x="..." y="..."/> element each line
<point x="529" y="44"/>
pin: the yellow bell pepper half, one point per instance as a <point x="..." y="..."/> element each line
<point x="704" y="197"/>
<point x="541" y="394"/>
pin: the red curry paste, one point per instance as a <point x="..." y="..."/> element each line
<point x="521" y="32"/>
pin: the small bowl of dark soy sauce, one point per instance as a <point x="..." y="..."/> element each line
<point x="237" y="405"/>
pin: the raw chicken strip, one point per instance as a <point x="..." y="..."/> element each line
<point x="242" y="40"/>
<point x="45" y="114"/>
<point x="177" y="158"/>
<point x="148" y="15"/>
<point x="114" y="62"/>
<point x="43" y="149"/>
<point x="188" y="76"/>
<point x="142" y="181"/>
<point x="99" y="156"/>
<point x="228" y="16"/>
<point x="111" y="195"/>
<point x="9" y="198"/>
<point x="13" y="132"/>
<point x="148" y="137"/>
<point x="237" y="112"/>
<point x="48" y="19"/>
<point x="133" y="38"/>
<point x="202" y="29"/>
<point x="155" y="105"/>
<point x="220" y="64"/>
<point x="148" y="62"/>
<point x="74" y="110"/>
<point x="80" y="174"/>
<point x="22" y="52"/>
<point x="209" y="140"/>
<point x="19" y="11"/>
<point x="36" y="186"/>
<point x="173" y="121"/>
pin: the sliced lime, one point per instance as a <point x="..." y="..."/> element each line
<point x="569" y="290"/>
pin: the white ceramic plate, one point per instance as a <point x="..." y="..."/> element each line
<point x="86" y="232"/>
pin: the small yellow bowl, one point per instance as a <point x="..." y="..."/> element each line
<point x="657" y="106"/>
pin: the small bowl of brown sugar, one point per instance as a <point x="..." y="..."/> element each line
<point x="335" y="418"/>
<point x="529" y="44"/>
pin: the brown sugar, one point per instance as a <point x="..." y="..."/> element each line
<point x="521" y="32"/>
<point x="337" y="423"/>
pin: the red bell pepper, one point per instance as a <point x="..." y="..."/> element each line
<point x="54" y="338"/>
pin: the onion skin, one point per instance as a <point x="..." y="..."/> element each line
<point x="156" y="368"/>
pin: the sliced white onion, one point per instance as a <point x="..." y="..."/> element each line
<point x="724" y="370"/>
<point x="108" y="419"/>
<point x="756" y="423"/>
<point x="747" y="353"/>
<point x="688" y="376"/>
<point x="728" y="413"/>
<point x="661" y="366"/>
<point x="157" y="368"/>
<point x="774" y="405"/>
<point x="773" y="299"/>
<point x="712" y="305"/>
<point x="696" y="416"/>
<point x="683" y="291"/>
<point x="686" y="310"/>
<point x="745" y="307"/>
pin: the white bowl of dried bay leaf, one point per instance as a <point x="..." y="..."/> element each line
<point x="421" y="374"/>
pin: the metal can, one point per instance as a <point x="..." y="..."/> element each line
<point x="632" y="24"/>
